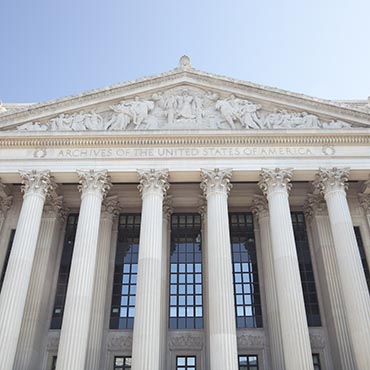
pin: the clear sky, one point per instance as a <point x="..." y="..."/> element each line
<point x="54" y="48"/>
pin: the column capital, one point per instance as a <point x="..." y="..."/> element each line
<point x="5" y="204"/>
<point x="37" y="182"/>
<point x="167" y="207"/>
<point x="314" y="205"/>
<point x="202" y="207"/>
<point x="364" y="200"/>
<point x="54" y="207"/>
<point x="275" y="180"/>
<point x="110" y="207"/>
<point x="216" y="181"/>
<point x="153" y="181"/>
<point x="93" y="181"/>
<point x="331" y="179"/>
<point x="260" y="206"/>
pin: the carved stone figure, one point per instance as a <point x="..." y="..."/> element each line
<point x="185" y="104"/>
<point x="2" y="108"/>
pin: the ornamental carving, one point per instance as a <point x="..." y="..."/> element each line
<point x="216" y="181"/>
<point x="110" y="207"/>
<point x="153" y="181"/>
<point x="275" y="179"/>
<point x="186" y="341"/>
<point x="202" y="207"/>
<point x="317" y="340"/>
<point x="94" y="181"/>
<point x="39" y="182"/>
<point x="251" y="340"/>
<point x="167" y="206"/>
<point x="364" y="200"/>
<point x="331" y="179"/>
<point x="314" y="205"/>
<point x="5" y="204"/>
<point x="260" y="206"/>
<point x="53" y="343"/>
<point x="184" y="108"/>
<point x="54" y="207"/>
<point x="119" y="343"/>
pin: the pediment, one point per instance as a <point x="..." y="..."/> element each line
<point x="184" y="99"/>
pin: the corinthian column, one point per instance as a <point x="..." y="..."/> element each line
<point x="108" y="211"/>
<point x="147" y="326"/>
<point x="5" y="204"/>
<point x="275" y="184"/>
<point x="221" y="316"/>
<point x="35" y="317"/>
<point x="317" y="216"/>
<point x="332" y="183"/>
<point x="14" y="291"/>
<point x="74" y="334"/>
<point x="260" y="209"/>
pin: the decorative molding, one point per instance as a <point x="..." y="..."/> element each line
<point x="167" y="207"/>
<point x="331" y="179"/>
<point x="53" y="343"/>
<point x="110" y="207"/>
<point x="54" y="207"/>
<point x="97" y="182"/>
<point x="251" y="340"/>
<point x="202" y="207"/>
<point x="364" y="200"/>
<point x="317" y="340"/>
<point x="186" y="341"/>
<point x="260" y="206"/>
<point x="6" y="200"/>
<point x="153" y="181"/>
<point x="119" y="342"/>
<point x="275" y="179"/>
<point x="216" y="181"/>
<point x="314" y="205"/>
<point x="38" y="182"/>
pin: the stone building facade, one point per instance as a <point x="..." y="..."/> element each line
<point x="185" y="221"/>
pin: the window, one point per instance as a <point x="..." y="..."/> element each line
<point x="122" y="362"/>
<point x="125" y="272"/>
<point x="362" y="255"/>
<point x="54" y="363"/>
<point x="306" y="270"/>
<point x="186" y="300"/>
<point x="245" y="272"/>
<point x="186" y="363"/>
<point x="7" y="256"/>
<point x="316" y="361"/>
<point x="64" y="270"/>
<point x="248" y="362"/>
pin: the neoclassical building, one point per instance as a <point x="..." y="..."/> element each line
<point x="185" y="221"/>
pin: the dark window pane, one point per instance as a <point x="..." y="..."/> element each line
<point x="316" y="361"/>
<point x="7" y="256"/>
<point x="64" y="269"/>
<point x="125" y="272"/>
<point x="248" y="362"/>
<point x="54" y="363"/>
<point x="361" y="248"/>
<point x="122" y="362"/>
<point x="186" y="363"/>
<point x="306" y="270"/>
<point x="185" y="289"/>
<point x="244" y="258"/>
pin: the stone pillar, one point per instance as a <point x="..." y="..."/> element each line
<point x="318" y="219"/>
<point x="167" y="211"/>
<point x="35" y="317"/>
<point x="74" y="334"/>
<point x="13" y="295"/>
<point x="147" y="325"/>
<point x="364" y="200"/>
<point x="275" y="184"/>
<point x="260" y="209"/>
<point x="332" y="183"/>
<point x="222" y="327"/>
<point x="109" y="210"/>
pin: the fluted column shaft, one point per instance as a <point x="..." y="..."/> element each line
<point x="275" y="338"/>
<point x="109" y="210"/>
<point x="332" y="183"/>
<point x="29" y="350"/>
<point x="147" y="325"/>
<point x="74" y="334"/>
<point x="296" y="342"/>
<point x="14" y="291"/>
<point x="329" y="279"/>
<point x="222" y="327"/>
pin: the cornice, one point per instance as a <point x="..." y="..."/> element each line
<point x="184" y="138"/>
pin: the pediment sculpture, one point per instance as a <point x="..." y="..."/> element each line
<point x="183" y="108"/>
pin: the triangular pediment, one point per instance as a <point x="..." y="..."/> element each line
<point x="183" y="99"/>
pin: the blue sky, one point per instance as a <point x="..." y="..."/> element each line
<point x="51" y="48"/>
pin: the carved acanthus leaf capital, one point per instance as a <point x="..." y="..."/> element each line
<point x="92" y="181"/>
<point x="260" y="206"/>
<point x="110" y="207"/>
<point x="216" y="181"/>
<point x="5" y="204"/>
<point x="37" y="182"/>
<point x="364" y="200"/>
<point x="54" y="207"/>
<point x="314" y="205"/>
<point x="153" y="181"/>
<point x="331" y="179"/>
<point x="202" y="207"/>
<point x="167" y="207"/>
<point x="275" y="180"/>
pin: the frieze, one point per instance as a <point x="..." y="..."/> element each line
<point x="186" y="341"/>
<point x="248" y="340"/>
<point x="184" y="108"/>
<point x="119" y="342"/>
